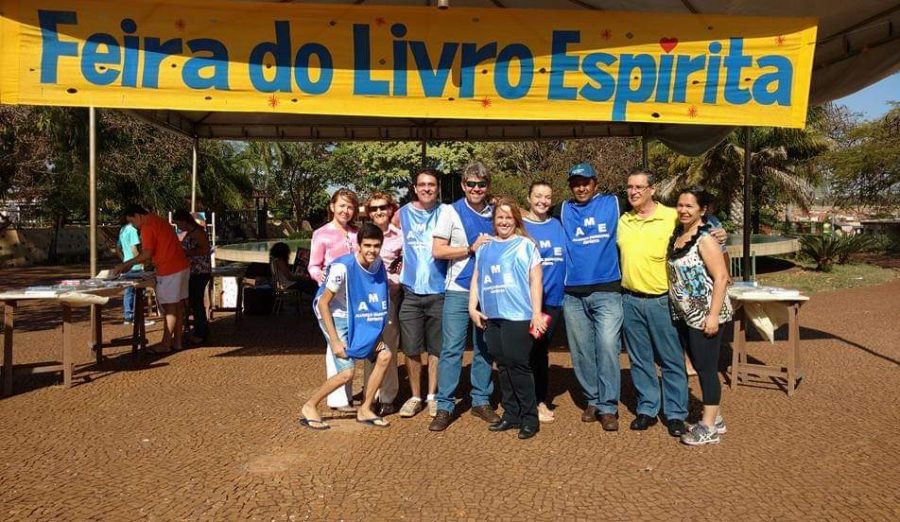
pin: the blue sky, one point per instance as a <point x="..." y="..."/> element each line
<point x="872" y="102"/>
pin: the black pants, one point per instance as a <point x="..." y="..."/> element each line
<point x="540" y="359"/>
<point x="509" y="343"/>
<point x="704" y="353"/>
<point x="196" y="294"/>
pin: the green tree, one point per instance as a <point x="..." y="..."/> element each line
<point x="865" y="167"/>
<point x="139" y="163"/>
<point x="782" y="165"/>
<point x="389" y="166"/>
<point x="517" y="164"/>
<point x="296" y="175"/>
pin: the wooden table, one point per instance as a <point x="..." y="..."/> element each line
<point x="219" y="272"/>
<point x="739" y="365"/>
<point x="12" y="299"/>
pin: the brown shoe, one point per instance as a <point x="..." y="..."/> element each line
<point x="589" y="414"/>
<point x="609" y="422"/>
<point x="486" y="413"/>
<point x="441" y="421"/>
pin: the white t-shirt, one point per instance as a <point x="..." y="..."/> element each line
<point x="449" y="226"/>
<point x="336" y="281"/>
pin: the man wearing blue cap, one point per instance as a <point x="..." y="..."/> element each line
<point x="592" y="305"/>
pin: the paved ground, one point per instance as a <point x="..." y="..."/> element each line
<point x="210" y="434"/>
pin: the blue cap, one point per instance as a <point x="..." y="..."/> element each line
<point x="582" y="170"/>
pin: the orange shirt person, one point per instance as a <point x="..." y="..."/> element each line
<point x="160" y="244"/>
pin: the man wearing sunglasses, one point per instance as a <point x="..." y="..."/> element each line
<point x="462" y="228"/>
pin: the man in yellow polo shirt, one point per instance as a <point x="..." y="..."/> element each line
<point x="643" y="238"/>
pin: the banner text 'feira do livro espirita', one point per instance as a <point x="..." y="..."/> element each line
<point x="407" y="62"/>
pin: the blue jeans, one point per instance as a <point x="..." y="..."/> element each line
<point x="650" y="334"/>
<point x="128" y="304"/>
<point x="594" y="326"/>
<point x="455" y="324"/>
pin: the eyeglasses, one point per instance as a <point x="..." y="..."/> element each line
<point x="479" y="184"/>
<point x="376" y="208"/>
<point x="637" y="188"/>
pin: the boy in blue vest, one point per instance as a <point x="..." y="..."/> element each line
<point x="352" y="306"/>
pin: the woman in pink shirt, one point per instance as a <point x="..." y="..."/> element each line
<point x="335" y="238"/>
<point x="329" y="242"/>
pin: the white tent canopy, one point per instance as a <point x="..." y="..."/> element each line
<point x="858" y="44"/>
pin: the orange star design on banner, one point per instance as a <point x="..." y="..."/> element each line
<point x="606" y="34"/>
<point x="692" y="111"/>
<point x="380" y="21"/>
<point x="273" y="101"/>
<point x="779" y="40"/>
<point x="486" y="103"/>
<point x="180" y="24"/>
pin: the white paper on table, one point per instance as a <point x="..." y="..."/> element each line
<point x="229" y="292"/>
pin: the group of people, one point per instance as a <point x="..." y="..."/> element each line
<point x="182" y="262"/>
<point x="417" y="278"/>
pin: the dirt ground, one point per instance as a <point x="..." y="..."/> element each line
<point x="211" y="434"/>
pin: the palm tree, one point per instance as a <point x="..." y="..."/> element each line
<point x="781" y="164"/>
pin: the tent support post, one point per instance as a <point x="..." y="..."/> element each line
<point x="92" y="188"/>
<point x="645" y="153"/>
<point x="195" y="145"/>
<point x="92" y="218"/>
<point x="748" y="182"/>
<point x="424" y="154"/>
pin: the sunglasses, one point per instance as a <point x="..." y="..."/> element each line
<point x="376" y="208"/>
<point x="479" y="184"/>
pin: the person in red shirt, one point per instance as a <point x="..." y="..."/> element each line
<point x="160" y="244"/>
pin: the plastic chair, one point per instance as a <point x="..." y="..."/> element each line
<point x="282" y="293"/>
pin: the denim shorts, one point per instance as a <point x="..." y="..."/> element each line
<point x="341" y="363"/>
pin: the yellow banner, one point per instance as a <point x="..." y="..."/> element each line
<point x="412" y="62"/>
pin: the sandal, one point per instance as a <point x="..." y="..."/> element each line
<point x="376" y="422"/>
<point x="314" y="424"/>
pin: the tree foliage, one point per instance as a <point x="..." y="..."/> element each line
<point x="390" y="166"/>
<point x="297" y="175"/>
<point x="517" y="164"/>
<point x="782" y="165"/>
<point x="865" y="166"/>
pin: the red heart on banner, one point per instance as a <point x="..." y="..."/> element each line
<point x="668" y="44"/>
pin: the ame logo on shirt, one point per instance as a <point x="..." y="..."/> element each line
<point x="373" y="299"/>
<point x="590" y="222"/>
<point x="495" y="270"/>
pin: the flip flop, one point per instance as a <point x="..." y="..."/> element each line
<point x="376" y="422"/>
<point x="314" y="424"/>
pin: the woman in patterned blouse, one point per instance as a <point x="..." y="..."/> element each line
<point x="698" y="278"/>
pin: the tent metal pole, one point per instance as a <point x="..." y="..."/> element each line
<point x="748" y="182"/>
<point x="92" y="219"/>
<point x="424" y="154"/>
<point x="645" y="153"/>
<point x="92" y="188"/>
<point x="195" y="146"/>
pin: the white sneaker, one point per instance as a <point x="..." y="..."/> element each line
<point x="432" y="408"/>
<point x="411" y="407"/>
<point x="699" y="434"/>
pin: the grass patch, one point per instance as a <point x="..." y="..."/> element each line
<point x="803" y="277"/>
